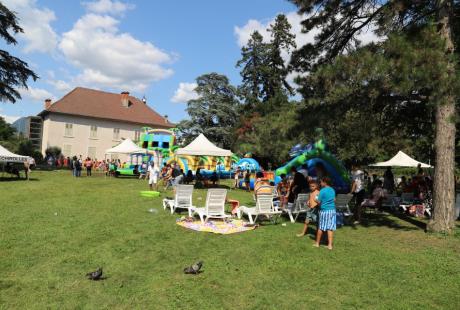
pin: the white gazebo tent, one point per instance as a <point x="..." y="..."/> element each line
<point x="201" y="146"/>
<point x="126" y="147"/>
<point x="9" y="157"/>
<point x="401" y="160"/>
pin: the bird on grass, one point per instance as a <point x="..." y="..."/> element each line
<point x="95" y="275"/>
<point x="194" y="269"/>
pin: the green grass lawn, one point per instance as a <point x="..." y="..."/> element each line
<point x="55" y="228"/>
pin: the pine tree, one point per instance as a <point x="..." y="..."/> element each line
<point x="282" y="40"/>
<point x="254" y="69"/>
<point x="14" y="72"/>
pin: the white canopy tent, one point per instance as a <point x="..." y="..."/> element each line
<point x="401" y="160"/>
<point x="201" y="146"/>
<point x="126" y="147"/>
<point x="7" y="156"/>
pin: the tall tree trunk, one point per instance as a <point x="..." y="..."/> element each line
<point x="444" y="181"/>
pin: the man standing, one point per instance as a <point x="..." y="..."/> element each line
<point x="153" y="173"/>
<point x="27" y="168"/>
<point x="357" y="190"/>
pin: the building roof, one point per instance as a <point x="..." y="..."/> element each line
<point x="100" y="104"/>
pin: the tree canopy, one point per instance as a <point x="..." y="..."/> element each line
<point x="14" y="72"/>
<point x="214" y="113"/>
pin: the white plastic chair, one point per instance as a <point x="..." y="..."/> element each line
<point x="215" y="205"/>
<point x="182" y="199"/>
<point x="342" y="204"/>
<point x="264" y="206"/>
<point x="300" y="206"/>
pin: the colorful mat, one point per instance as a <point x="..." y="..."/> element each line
<point x="217" y="227"/>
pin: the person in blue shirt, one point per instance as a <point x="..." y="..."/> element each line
<point x="327" y="215"/>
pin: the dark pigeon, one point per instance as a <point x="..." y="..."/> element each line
<point x="194" y="269"/>
<point x="95" y="275"/>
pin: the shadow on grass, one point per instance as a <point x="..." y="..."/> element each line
<point x="390" y="221"/>
<point x="14" y="179"/>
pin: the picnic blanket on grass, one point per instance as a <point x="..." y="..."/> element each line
<point x="217" y="227"/>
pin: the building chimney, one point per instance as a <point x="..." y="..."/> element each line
<point x="47" y="103"/>
<point x="144" y="100"/>
<point x="124" y="99"/>
<point x="166" y="118"/>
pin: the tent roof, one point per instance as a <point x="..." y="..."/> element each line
<point x="126" y="147"/>
<point x="7" y="156"/>
<point x="400" y="160"/>
<point x="202" y="146"/>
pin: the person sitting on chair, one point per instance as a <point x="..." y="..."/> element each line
<point x="298" y="186"/>
<point x="262" y="186"/>
<point x="378" y="195"/>
<point x="282" y="190"/>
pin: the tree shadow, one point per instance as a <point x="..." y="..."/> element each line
<point x="391" y="221"/>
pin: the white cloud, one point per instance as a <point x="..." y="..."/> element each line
<point x="60" y="85"/>
<point x="38" y="34"/>
<point x="35" y="94"/>
<point x="108" y="7"/>
<point x="8" y="118"/>
<point x="185" y="92"/>
<point x="112" y="59"/>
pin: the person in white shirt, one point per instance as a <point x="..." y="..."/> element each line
<point x="357" y="190"/>
<point x="153" y="173"/>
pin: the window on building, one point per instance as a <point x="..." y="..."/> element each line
<point x="145" y="144"/>
<point x="116" y="134"/>
<point x="93" y="132"/>
<point x="137" y="135"/>
<point x="166" y="145"/>
<point x="92" y="152"/>
<point x="154" y="143"/>
<point x="68" y="130"/>
<point x="67" y="150"/>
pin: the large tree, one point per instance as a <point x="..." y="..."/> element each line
<point x="371" y="103"/>
<point x="264" y="71"/>
<point x="254" y="70"/>
<point x="214" y="113"/>
<point x="14" y="72"/>
<point x="282" y="41"/>
<point x="342" y="21"/>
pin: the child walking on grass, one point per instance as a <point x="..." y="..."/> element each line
<point x="327" y="214"/>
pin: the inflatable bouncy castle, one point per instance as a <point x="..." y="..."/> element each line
<point x="319" y="161"/>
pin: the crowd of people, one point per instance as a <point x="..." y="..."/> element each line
<point x="367" y="191"/>
<point x="370" y="191"/>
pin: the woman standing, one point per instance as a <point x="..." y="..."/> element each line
<point x="327" y="214"/>
<point x="89" y="166"/>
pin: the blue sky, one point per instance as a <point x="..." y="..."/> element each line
<point x="152" y="48"/>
